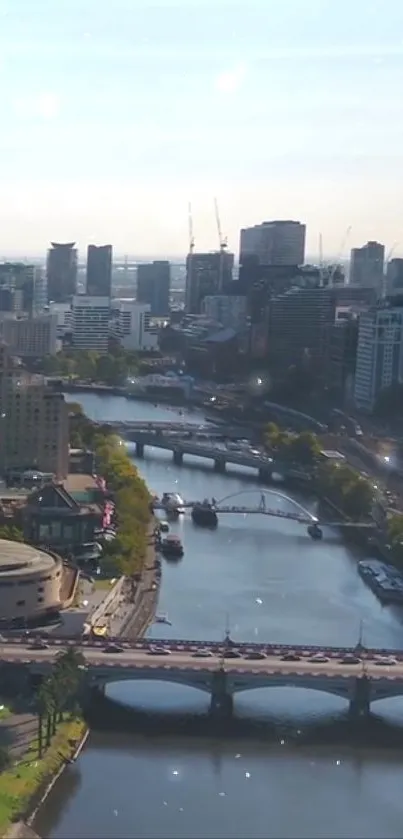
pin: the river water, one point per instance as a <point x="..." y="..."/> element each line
<point x="293" y="766"/>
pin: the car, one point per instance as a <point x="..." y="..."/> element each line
<point x="386" y="661"/>
<point x="350" y="659"/>
<point x="318" y="659"/>
<point x="202" y="654"/>
<point x="159" y="651"/>
<point x="39" y="645"/>
<point x="113" y="648"/>
<point x="290" y="657"/>
<point x="231" y="654"/>
<point x="256" y="656"/>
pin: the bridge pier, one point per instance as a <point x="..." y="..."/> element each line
<point x="222" y="702"/>
<point x="139" y="449"/>
<point x="177" y="457"/>
<point x="219" y="464"/>
<point x="360" y="702"/>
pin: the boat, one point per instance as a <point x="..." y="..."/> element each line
<point x="163" y="618"/>
<point x="172" y="502"/>
<point x="384" y="580"/>
<point x="204" y="514"/>
<point x="172" y="547"/>
<point x="163" y="526"/>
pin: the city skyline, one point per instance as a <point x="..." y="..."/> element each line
<point x="116" y="115"/>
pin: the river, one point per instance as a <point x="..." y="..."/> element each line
<point x="299" y="770"/>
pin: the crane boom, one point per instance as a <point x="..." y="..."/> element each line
<point x="221" y="240"/>
<point x="190" y="223"/>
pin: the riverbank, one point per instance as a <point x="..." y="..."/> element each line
<point x="24" y="787"/>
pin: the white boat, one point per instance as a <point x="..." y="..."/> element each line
<point x="172" y="502"/>
<point x="163" y="618"/>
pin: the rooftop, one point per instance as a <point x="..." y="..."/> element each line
<point x="17" y="557"/>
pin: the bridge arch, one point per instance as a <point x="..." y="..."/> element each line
<point x="342" y="688"/>
<point x="272" y="493"/>
<point x="201" y="682"/>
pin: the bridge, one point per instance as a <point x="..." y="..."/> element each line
<point x="138" y="427"/>
<point x="225" y="670"/>
<point x="180" y="447"/>
<point x="300" y="514"/>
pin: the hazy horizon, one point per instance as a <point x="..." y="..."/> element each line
<point x="115" y="115"/>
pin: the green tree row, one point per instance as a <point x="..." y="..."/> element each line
<point x="111" y="369"/>
<point x="127" y="553"/>
<point x="348" y="490"/>
<point x="58" y="694"/>
<point x="303" y="448"/>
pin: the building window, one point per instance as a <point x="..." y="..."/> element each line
<point x="20" y="603"/>
<point x="40" y="599"/>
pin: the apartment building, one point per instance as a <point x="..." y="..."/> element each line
<point x="30" y="337"/>
<point x="91" y="317"/>
<point x="34" y="430"/>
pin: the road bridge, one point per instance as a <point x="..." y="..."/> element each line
<point x="223" y="673"/>
<point x="207" y="449"/>
<point x="195" y="429"/>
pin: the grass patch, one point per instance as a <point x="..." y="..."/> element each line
<point x="19" y="785"/>
<point x="5" y="710"/>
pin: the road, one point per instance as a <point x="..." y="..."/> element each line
<point x="146" y="662"/>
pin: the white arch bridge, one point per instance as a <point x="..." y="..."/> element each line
<point x="298" y="513"/>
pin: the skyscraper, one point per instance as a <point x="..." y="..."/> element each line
<point x="366" y="266"/>
<point x="274" y="243"/>
<point x="99" y="270"/>
<point x="153" y="286"/>
<point x="379" y="353"/>
<point x="61" y="272"/>
<point x="206" y="273"/>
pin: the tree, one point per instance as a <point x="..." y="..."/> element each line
<point x="9" y="531"/>
<point x="304" y="448"/>
<point x="5" y="758"/>
<point x="45" y="707"/>
<point x="67" y="673"/>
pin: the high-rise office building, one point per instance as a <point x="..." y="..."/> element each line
<point x="33" y="422"/>
<point x="274" y="243"/>
<point x="17" y="285"/>
<point x="30" y="337"/>
<point x="91" y="317"/>
<point x="61" y="272"/>
<point x="366" y="266"/>
<point x="99" y="270"/>
<point x="153" y="286"/>
<point x="379" y="353"/>
<point x="206" y="273"/>
<point x="394" y="277"/>
<point x="131" y="325"/>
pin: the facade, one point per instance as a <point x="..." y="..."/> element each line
<point x="61" y="272"/>
<point x="40" y="301"/>
<point x="31" y="337"/>
<point x="17" y="283"/>
<point x="341" y="348"/>
<point x="131" y="325"/>
<point x="63" y="312"/>
<point x="99" y="270"/>
<point x="52" y="517"/>
<point x="274" y="243"/>
<point x="230" y="311"/>
<point x="33" y="422"/>
<point x="153" y="286"/>
<point x="91" y="316"/>
<point x="394" y="277"/>
<point x="367" y="266"/>
<point x="206" y="274"/>
<point x="379" y="353"/>
<point x="30" y="582"/>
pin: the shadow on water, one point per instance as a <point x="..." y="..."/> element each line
<point x="108" y="715"/>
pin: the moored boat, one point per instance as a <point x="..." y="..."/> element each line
<point x="204" y="514"/>
<point x="172" y="547"/>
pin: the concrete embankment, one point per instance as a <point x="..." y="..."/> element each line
<point x="21" y="830"/>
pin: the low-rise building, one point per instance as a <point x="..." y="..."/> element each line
<point x="53" y="517"/>
<point x="30" y="582"/>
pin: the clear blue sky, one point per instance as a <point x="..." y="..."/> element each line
<point x="115" y="113"/>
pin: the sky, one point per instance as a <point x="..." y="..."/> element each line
<point x="116" y="113"/>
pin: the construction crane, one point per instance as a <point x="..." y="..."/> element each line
<point x="385" y="274"/>
<point x="223" y="245"/>
<point x="222" y="241"/>
<point x="191" y="237"/>
<point x="189" y="260"/>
